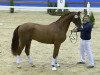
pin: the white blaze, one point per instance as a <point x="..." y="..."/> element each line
<point x="76" y="16"/>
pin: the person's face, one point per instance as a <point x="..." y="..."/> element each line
<point x="86" y="19"/>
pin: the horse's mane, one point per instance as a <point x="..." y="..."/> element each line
<point x="63" y="16"/>
<point x="67" y="15"/>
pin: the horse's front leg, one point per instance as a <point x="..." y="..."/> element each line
<point x="57" y="63"/>
<point x="54" y="62"/>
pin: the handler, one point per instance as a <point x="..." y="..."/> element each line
<point x="85" y="42"/>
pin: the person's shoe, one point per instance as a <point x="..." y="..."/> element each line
<point x="90" y="66"/>
<point x="80" y="62"/>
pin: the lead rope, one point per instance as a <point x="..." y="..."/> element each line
<point x="73" y="38"/>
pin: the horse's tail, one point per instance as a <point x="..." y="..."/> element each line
<point x="15" y="42"/>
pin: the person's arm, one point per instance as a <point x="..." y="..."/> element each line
<point x="87" y="28"/>
<point x="77" y="30"/>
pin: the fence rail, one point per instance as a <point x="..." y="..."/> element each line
<point x="23" y="8"/>
<point x="45" y="8"/>
<point x="27" y="2"/>
<point x="40" y="2"/>
<point x="82" y="2"/>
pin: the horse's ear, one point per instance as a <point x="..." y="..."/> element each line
<point x="68" y="12"/>
<point x="79" y="13"/>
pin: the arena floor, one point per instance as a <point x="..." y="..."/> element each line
<point x="42" y="53"/>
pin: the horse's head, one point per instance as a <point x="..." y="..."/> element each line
<point x="77" y="20"/>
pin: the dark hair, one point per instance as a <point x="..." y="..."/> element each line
<point x="86" y="16"/>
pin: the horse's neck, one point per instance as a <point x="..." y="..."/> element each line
<point x="63" y="17"/>
<point x="60" y="18"/>
<point x="65" y="22"/>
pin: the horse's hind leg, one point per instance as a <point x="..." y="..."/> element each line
<point x="21" y="46"/>
<point x="27" y="51"/>
<point x="55" y="54"/>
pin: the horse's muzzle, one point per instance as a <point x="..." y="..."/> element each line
<point x="79" y="28"/>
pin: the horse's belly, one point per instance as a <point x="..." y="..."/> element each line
<point x="48" y="37"/>
<point x="44" y="39"/>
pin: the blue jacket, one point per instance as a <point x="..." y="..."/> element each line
<point x="86" y="31"/>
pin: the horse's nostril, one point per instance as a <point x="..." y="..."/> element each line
<point x="80" y="28"/>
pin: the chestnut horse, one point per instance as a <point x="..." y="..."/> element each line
<point x="54" y="33"/>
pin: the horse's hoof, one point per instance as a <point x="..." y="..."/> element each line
<point x="19" y="66"/>
<point x="54" y="68"/>
<point x="57" y="65"/>
<point x="33" y="66"/>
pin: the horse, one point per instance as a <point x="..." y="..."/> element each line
<point x="54" y="33"/>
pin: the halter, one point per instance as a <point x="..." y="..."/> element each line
<point x="73" y="38"/>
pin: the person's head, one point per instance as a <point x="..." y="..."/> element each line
<point x="86" y="19"/>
